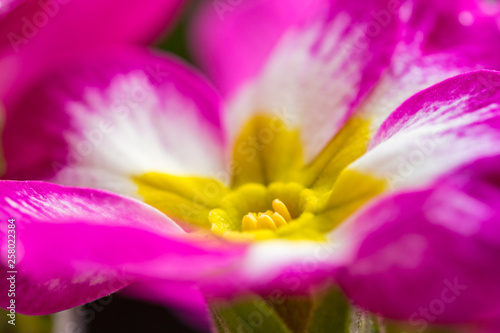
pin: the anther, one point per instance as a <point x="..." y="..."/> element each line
<point x="279" y="221"/>
<point x="249" y="222"/>
<point x="270" y="220"/>
<point x="266" y="222"/>
<point x="280" y="208"/>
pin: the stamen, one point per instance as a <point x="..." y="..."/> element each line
<point x="269" y="220"/>
<point x="249" y="222"/>
<point x="280" y="208"/>
<point x="279" y="221"/>
<point x="266" y="222"/>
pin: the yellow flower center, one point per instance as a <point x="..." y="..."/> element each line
<point x="273" y="191"/>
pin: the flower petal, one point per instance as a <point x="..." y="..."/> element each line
<point x="8" y="6"/>
<point x="430" y="256"/>
<point x="244" y="53"/>
<point x="308" y="63"/>
<point x="37" y="35"/>
<point x="442" y="39"/>
<point x="77" y="245"/>
<point x="279" y="267"/>
<point x="439" y="129"/>
<point x="112" y="115"/>
<point x="2" y="160"/>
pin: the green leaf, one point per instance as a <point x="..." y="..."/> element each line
<point x="296" y="311"/>
<point x="25" y="324"/>
<point x="331" y="312"/>
<point x="251" y="314"/>
<point x="361" y="321"/>
<point x="325" y="311"/>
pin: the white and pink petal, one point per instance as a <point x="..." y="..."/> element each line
<point x="111" y="115"/>
<point x="280" y="267"/>
<point x="309" y="63"/>
<point x="430" y="256"/>
<point x="437" y="130"/>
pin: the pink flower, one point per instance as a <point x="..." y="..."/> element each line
<point x="373" y="123"/>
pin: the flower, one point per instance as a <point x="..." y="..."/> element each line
<point x="350" y="141"/>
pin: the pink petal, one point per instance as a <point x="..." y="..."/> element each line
<point x="442" y="39"/>
<point x="278" y="268"/>
<point x="39" y="34"/>
<point x="8" y="5"/>
<point x="77" y="245"/>
<point x="430" y="256"/>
